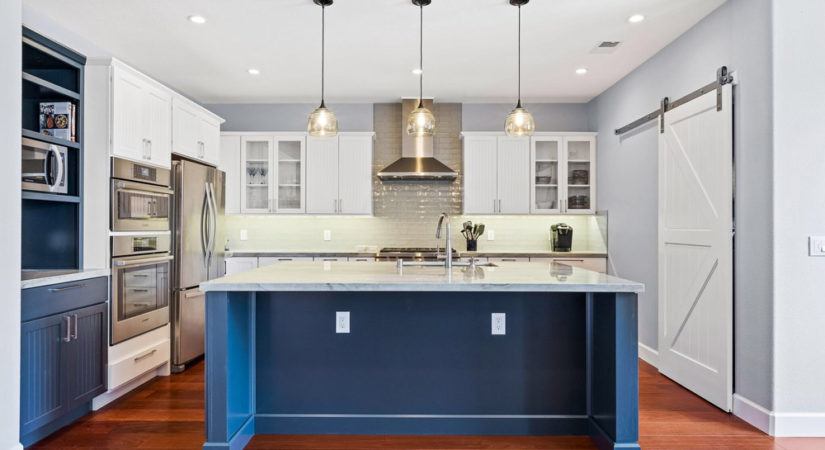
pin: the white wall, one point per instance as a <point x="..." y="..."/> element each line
<point x="737" y="35"/>
<point x="10" y="125"/>
<point x="799" y="211"/>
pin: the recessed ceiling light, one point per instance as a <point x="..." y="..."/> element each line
<point x="417" y="71"/>
<point x="254" y="71"/>
<point x="636" y="18"/>
<point x="197" y="19"/>
<point x="581" y="71"/>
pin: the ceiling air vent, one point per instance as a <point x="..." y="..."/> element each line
<point x="606" y="47"/>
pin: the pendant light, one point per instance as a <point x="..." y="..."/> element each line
<point x="520" y="122"/>
<point x="421" y="121"/>
<point x="322" y="122"/>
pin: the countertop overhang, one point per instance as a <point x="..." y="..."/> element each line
<point x="385" y="276"/>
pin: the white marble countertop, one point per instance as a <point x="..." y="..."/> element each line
<point x="37" y="278"/>
<point x="385" y="276"/>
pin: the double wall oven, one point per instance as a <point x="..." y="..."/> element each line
<point x="141" y="249"/>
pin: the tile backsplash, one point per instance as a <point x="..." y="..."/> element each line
<point x="406" y="213"/>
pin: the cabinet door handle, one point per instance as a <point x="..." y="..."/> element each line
<point x="66" y="288"/>
<point x="340" y="205"/>
<point x="145" y="355"/>
<point x="74" y="335"/>
<point x="335" y="205"/>
<point x="495" y="206"/>
<point x="68" y="336"/>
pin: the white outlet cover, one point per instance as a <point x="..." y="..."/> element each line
<point x="244" y="235"/>
<point x="491" y="235"/>
<point x="499" y="324"/>
<point x="816" y="246"/>
<point x="327" y="235"/>
<point x="342" y="322"/>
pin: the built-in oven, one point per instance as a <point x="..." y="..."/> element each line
<point x="141" y="197"/>
<point x="140" y="284"/>
<point x="44" y="167"/>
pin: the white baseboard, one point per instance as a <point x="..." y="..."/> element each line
<point x="649" y="355"/>
<point x="17" y="446"/>
<point x="752" y="413"/>
<point x="779" y="424"/>
<point x="111" y="395"/>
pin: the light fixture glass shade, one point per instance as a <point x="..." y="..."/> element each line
<point x="421" y="122"/>
<point x="322" y="123"/>
<point x="519" y="123"/>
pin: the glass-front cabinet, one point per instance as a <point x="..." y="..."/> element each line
<point x="563" y="174"/>
<point x="272" y="172"/>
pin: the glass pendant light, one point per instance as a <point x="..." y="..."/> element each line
<point x="519" y="122"/>
<point x="322" y="122"/>
<point x="421" y="121"/>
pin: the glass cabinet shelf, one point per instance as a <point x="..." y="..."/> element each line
<point x="562" y="169"/>
<point x="273" y="174"/>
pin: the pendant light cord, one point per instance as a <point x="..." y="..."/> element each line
<point x="323" y="48"/>
<point x="421" y="57"/>
<point x="519" y="57"/>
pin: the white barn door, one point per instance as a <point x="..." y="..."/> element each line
<point x="696" y="247"/>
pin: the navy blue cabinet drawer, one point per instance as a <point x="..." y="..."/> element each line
<point x="58" y="298"/>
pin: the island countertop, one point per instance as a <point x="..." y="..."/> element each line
<point x="385" y="276"/>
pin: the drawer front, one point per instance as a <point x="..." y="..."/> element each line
<point x="264" y="261"/>
<point x="138" y="363"/>
<point x="58" y="298"/>
<point x="361" y="259"/>
<point x="506" y="260"/>
<point x="593" y="264"/>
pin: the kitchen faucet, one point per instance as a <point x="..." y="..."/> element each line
<point x="448" y="244"/>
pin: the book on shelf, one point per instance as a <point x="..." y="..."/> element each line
<point x="59" y="119"/>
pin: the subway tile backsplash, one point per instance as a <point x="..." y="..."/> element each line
<point x="405" y="213"/>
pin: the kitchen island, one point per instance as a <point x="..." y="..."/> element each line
<point x="420" y="353"/>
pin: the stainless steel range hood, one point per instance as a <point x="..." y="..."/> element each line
<point x="417" y="162"/>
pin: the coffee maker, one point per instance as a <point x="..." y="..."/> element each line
<point x="562" y="237"/>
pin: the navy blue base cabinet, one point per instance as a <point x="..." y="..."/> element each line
<point x="63" y="354"/>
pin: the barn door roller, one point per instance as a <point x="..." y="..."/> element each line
<point x="723" y="77"/>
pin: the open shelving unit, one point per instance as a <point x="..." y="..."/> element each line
<point x="52" y="224"/>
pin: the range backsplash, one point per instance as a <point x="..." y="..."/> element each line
<point x="406" y="213"/>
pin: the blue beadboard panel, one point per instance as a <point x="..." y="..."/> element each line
<point x="87" y="373"/>
<point x="42" y="397"/>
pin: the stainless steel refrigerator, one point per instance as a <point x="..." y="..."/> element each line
<point x="197" y="230"/>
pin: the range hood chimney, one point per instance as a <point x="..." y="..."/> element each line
<point x="417" y="162"/>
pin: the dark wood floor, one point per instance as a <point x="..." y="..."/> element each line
<point x="168" y="414"/>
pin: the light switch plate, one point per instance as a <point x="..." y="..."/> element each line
<point x="342" y="322"/>
<point x="327" y="235"/>
<point x="491" y="235"/>
<point x="244" y="235"/>
<point x="816" y="246"/>
<point x="499" y="324"/>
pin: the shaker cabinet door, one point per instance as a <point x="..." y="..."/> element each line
<point x="128" y="128"/>
<point x="43" y="374"/>
<point x="513" y="175"/>
<point x="158" y="122"/>
<point x="355" y="174"/>
<point x="480" y="175"/>
<point x="322" y="176"/>
<point x="87" y="354"/>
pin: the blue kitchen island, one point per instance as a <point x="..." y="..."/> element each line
<point x="420" y="356"/>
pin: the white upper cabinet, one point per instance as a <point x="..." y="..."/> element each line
<point x="322" y="176"/>
<point x="230" y="163"/>
<point x="548" y="173"/>
<point x="272" y="174"/>
<point x="149" y="121"/>
<point x="196" y="131"/>
<point x="355" y="173"/>
<point x="141" y="115"/>
<point x="496" y="174"/>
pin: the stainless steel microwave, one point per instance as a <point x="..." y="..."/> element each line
<point x="44" y="167"/>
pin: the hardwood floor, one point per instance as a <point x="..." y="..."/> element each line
<point x="168" y="414"/>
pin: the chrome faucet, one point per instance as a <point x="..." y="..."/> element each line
<point x="448" y="244"/>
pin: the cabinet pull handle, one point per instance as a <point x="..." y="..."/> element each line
<point x="66" y="288"/>
<point x="495" y="206"/>
<point x="68" y="336"/>
<point x="340" y="205"/>
<point x="145" y="355"/>
<point x="284" y="259"/>
<point x="335" y="205"/>
<point x="74" y="335"/>
<point x="568" y="260"/>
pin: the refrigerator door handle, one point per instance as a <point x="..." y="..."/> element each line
<point x="205" y="225"/>
<point x="213" y="224"/>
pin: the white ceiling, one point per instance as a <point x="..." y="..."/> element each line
<point x="372" y="45"/>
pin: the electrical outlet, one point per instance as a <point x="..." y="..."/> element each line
<point x="499" y="324"/>
<point x="491" y="235"/>
<point x="816" y="246"/>
<point x="327" y="235"/>
<point x="244" y="235"/>
<point x="342" y="322"/>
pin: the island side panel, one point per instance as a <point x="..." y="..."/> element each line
<point x="421" y="363"/>
<point x="613" y="370"/>
<point x="230" y="369"/>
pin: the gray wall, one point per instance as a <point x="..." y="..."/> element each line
<point x="288" y="116"/>
<point x="738" y="35"/>
<point x="549" y="116"/>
